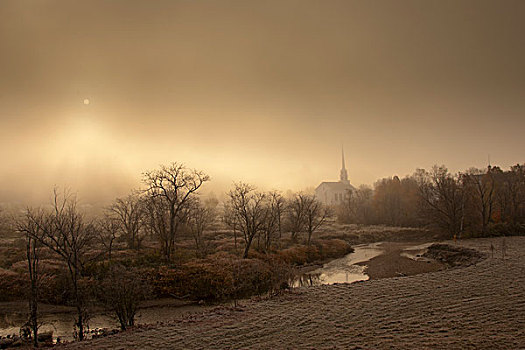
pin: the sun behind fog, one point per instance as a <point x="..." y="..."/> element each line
<point x="86" y="101"/>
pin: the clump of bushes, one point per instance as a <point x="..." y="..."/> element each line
<point x="13" y="286"/>
<point x="224" y="276"/>
<point x="506" y="229"/>
<point x="220" y="277"/>
<point x="319" y="251"/>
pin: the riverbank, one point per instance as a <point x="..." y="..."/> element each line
<point x="477" y="307"/>
<point x="394" y="263"/>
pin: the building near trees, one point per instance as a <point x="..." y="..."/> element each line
<point x="334" y="193"/>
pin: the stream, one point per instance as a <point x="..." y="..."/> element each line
<point x="342" y="270"/>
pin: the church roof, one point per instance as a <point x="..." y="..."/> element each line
<point x="340" y="186"/>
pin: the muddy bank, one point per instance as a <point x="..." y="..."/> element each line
<point x="392" y="263"/>
<point x="454" y="255"/>
<point x="404" y="259"/>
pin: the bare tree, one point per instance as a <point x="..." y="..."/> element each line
<point x="229" y="218"/>
<point x="295" y="216"/>
<point x="357" y="207"/>
<point x="388" y="200"/>
<point x="480" y="190"/>
<point x="315" y="214"/>
<point x="31" y="230"/>
<point x="442" y="198"/>
<point x="107" y="230"/>
<point x="169" y="190"/>
<point x="129" y="213"/>
<point x="510" y="189"/>
<point x="248" y="207"/>
<point x="66" y="232"/>
<point x="198" y="219"/>
<point x="276" y="209"/>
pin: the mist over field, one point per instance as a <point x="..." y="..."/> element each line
<point x="241" y="88"/>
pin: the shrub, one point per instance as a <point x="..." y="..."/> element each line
<point x="506" y="229"/>
<point x="220" y="277"/>
<point x="321" y="250"/>
<point x="13" y="286"/>
<point x="120" y="291"/>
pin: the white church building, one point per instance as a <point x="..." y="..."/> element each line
<point x="334" y="193"/>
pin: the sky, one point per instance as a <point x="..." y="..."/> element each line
<point x="93" y="93"/>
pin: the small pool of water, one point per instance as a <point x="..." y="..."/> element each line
<point x="343" y="270"/>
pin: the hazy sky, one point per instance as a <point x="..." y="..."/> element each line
<point x="260" y="91"/>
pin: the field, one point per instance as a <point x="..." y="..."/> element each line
<point x="477" y="307"/>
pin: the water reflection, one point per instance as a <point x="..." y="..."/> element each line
<point x="342" y="270"/>
<point x="61" y="324"/>
<point x="416" y="252"/>
<point x="307" y="280"/>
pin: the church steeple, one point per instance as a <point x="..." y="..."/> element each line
<point x="343" y="177"/>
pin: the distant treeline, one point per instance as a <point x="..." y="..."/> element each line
<point x="476" y="202"/>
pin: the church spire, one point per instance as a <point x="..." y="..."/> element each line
<point x="342" y="158"/>
<point x="344" y="174"/>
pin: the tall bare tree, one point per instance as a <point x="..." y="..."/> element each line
<point x="315" y="215"/>
<point x="108" y="229"/>
<point x="511" y="193"/>
<point x="249" y="210"/>
<point x="169" y="190"/>
<point x="273" y="226"/>
<point x="66" y="232"/>
<point x="129" y="212"/>
<point x="229" y="218"/>
<point x="31" y="230"/>
<point x="295" y="216"/>
<point x="480" y="194"/>
<point x="198" y="219"/>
